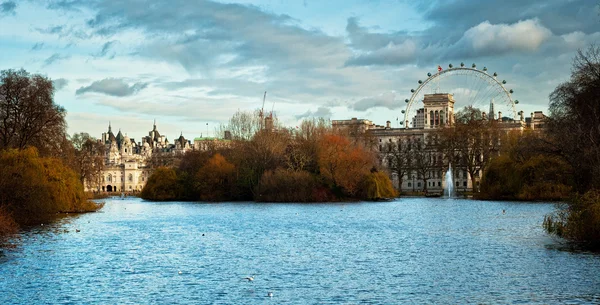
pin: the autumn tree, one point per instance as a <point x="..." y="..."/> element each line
<point x="163" y="185"/>
<point x="33" y="188"/>
<point x="343" y="164"/>
<point x="215" y="179"/>
<point x="28" y="114"/>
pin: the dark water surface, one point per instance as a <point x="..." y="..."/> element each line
<point x="412" y="250"/>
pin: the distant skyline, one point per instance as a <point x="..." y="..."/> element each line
<point x="187" y="63"/>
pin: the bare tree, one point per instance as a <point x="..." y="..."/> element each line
<point x="28" y="114"/>
<point x="89" y="158"/>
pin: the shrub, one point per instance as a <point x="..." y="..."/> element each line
<point x="215" y="179"/>
<point x="578" y="220"/>
<point x="283" y="185"/>
<point x="162" y="185"/>
<point x="7" y="226"/>
<point x="377" y="185"/>
<point x="34" y="188"/>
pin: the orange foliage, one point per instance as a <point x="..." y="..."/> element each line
<point x="343" y="164"/>
<point x="214" y="178"/>
<point x="33" y="188"/>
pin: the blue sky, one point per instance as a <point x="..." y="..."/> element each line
<point x="187" y="63"/>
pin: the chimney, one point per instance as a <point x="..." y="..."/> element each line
<point x="388" y="124"/>
<point x="500" y="116"/>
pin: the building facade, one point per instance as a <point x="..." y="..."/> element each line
<point x="126" y="162"/>
<point x="420" y="143"/>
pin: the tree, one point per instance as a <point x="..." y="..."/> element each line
<point x="33" y="188"/>
<point x="399" y="160"/>
<point x="343" y="164"/>
<point x="162" y="185"/>
<point x="28" y="114"/>
<point x="215" y="179"/>
<point x="89" y="158"/>
<point x="471" y="143"/>
<point x="422" y="161"/>
<point x="574" y="121"/>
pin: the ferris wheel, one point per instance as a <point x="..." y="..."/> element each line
<point x="469" y="86"/>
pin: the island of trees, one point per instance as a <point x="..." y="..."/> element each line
<point x="312" y="163"/>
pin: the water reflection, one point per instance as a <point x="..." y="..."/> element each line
<point x="412" y="250"/>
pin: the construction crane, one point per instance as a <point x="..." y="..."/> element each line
<point x="262" y="111"/>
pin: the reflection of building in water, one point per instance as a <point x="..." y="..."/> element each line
<point x="125" y="167"/>
<point x="437" y="113"/>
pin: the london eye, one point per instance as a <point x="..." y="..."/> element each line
<point x="469" y="86"/>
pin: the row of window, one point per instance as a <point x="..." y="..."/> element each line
<point x="439" y="184"/>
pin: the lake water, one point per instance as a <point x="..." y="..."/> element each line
<point x="413" y="250"/>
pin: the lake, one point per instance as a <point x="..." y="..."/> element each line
<point x="412" y="250"/>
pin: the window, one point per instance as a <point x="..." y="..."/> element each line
<point x="457" y="184"/>
<point x="419" y="184"/>
<point x="142" y="178"/>
<point x="409" y="184"/>
<point x="465" y="183"/>
<point x="130" y="177"/>
<point x="439" y="183"/>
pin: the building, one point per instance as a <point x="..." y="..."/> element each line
<point x="126" y="166"/>
<point x="437" y="113"/>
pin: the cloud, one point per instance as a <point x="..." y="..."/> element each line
<point x="58" y="29"/>
<point x="483" y="39"/>
<point x="105" y="48"/>
<point x="112" y="86"/>
<point x="386" y="99"/>
<point x="38" y="46"/>
<point x="60" y="83"/>
<point x="54" y="58"/>
<point x="389" y="55"/>
<point x="8" y="8"/>
<point x="489" y="39"/>
<point x="321" y="112"/>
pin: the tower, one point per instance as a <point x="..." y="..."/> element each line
<point x="491" y="113"/>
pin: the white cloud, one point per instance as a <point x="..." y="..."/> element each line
<point x="493" y="39"/>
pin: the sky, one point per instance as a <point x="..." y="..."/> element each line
<point x="191" y="64"/>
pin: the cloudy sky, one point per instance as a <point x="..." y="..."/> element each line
<point x="187" y="63"/>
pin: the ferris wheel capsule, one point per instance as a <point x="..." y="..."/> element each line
<point x="462" y="64"/>
<point x="420" y="81"/>
<point x="450" y="66"/>
<point x="511" y="91"/>
<point x="485" y="69"/>
<point x="406" y="100"/>
<point x="473" y="66"/>
<point x="495" y="74"/>
<point x="429" y="74"/>
<point x="504" y="82"/>
<point x="412" y="90"/>
<point x="516" y="102"/>
<point x="403" y="111"/>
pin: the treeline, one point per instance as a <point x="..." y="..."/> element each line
<point x="41" y="169"/>
<point x="312" y="163"/>
<point x="563" y="161"/>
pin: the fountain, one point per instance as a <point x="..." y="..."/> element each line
<point x="449" y="190"/>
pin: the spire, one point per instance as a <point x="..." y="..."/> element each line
<point x="491" y="114"/>
<point x="109" y="128"/>
<point x="154" y="124"/>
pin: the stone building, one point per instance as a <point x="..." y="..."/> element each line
<point x="125" y="160"/>
<point x="437" y="112"/>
